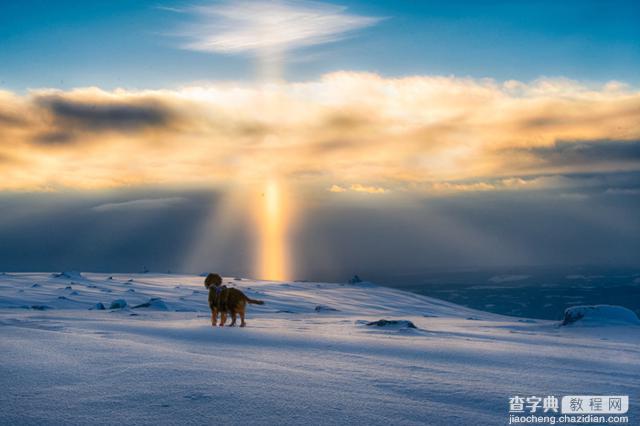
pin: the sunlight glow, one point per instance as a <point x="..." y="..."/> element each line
<point x="273" y="255"/>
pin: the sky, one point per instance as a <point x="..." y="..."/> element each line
<point x="132" y="44"/>
<point x="314" y="140"/>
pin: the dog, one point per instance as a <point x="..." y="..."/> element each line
<point x="226" y="300"/>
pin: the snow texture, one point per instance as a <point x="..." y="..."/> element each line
<point x="157" y="360"/>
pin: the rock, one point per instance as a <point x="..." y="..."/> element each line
<point x="98" y="307"/>
<point x="392" y="323"/>
<point x="41" y="307"/>
<point x="323" y="308"/>
<point x="118" y="304"/>
<point x="71" y="275"/>
<point x="355" y="280"/>
<point x="154" y="303"/>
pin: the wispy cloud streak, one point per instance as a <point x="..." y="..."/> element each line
<point x="268" y="26"/>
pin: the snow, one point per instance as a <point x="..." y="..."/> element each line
<point x="599" y="315"/>
<point x="157" y="360"/>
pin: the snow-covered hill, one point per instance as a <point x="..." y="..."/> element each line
<point x="315" y="353"/>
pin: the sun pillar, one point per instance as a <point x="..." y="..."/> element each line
<point x="273" y="259"/>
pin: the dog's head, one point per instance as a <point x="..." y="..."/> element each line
<point x="212" y="279"/>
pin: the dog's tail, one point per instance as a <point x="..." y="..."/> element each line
<point x="253" y="301"/>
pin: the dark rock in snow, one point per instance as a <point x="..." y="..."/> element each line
<point x="323" y="308"/>
<point x="118" y="304"/>
<point x="70" y="275"/>
<point x="41" y="307"/>
<point x="392" y="323"/>
<point x="355" y="280"/>
<point x="154" y="303"/>
<point x="98" y="306"/>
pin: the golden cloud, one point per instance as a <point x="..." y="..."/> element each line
<point x="425" y="133"/>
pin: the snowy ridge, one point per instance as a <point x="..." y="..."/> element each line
<point x="307" y="355"/>
<point x="72" y="290"/>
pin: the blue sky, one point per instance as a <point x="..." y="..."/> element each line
<point x="66" y="44"/>
<point x="392" y="135"/>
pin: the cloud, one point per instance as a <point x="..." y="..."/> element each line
<point x="368" y="189"/>
<point x="119" y="115"/>
<point x="141" y="204"/>
<point x="623" y="191"/>
<point x="420" y="134"/>
<point x="357" y="187"/>
<point x="252" y="26"/>
<point x="567" y="153"/>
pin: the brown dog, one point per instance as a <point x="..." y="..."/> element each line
<point x="223" y="300"/>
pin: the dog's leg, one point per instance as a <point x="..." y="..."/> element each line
<point x="242" y="323"/>
<point x="233" y="319"/>
<point x="223" y="318"/>
<point x="214" y="317"/>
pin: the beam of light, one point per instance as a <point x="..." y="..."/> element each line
<point x="213" y="249"/>
<point x="273" y="255"/>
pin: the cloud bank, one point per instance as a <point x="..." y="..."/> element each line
<point x="347" y="132"/>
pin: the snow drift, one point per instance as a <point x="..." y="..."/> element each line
<point x="600" y="315"/>
<point x="306" y="357"/>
